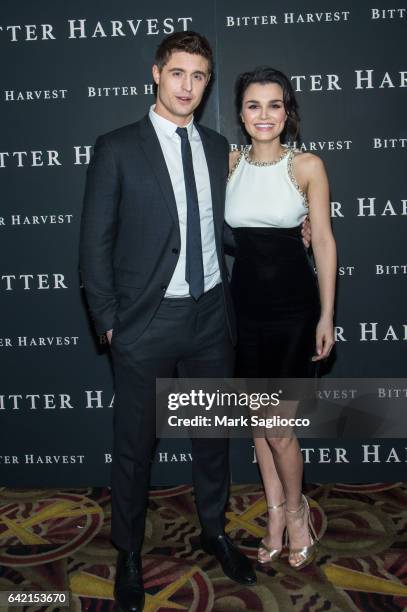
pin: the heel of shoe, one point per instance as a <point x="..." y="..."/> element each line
<point x="273" y="553"/>
<point x="307" y="553"/>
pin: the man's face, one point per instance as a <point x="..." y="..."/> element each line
<point x="181" y="85"/>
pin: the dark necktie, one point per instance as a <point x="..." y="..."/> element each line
<point x="194" y="273"/>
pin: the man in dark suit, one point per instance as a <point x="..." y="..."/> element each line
<point x="153" y="268"/>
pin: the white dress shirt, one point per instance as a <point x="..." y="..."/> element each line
<point x="170" y="143"/>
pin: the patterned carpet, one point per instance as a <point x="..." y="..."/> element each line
<point x="59" y="540"/>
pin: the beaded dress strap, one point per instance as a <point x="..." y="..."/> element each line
<point x="293" y="179"/>
<point x="235" y="165"/>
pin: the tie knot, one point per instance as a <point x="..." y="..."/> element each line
<point x="182" y="132"/>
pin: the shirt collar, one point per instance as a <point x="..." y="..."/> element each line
<point x="168" y="127"/>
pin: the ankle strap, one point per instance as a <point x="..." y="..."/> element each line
<point x="277" y="506"/>
<point x="300" y="507"/>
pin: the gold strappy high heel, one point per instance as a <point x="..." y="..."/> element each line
<point x="307" y="553"/>
<point x="272" y="553"/>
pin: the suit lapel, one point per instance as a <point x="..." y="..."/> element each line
<point x="215" y="179"/>
<point x="152" y="149"/>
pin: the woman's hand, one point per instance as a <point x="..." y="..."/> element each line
<point x="324" y="338"/>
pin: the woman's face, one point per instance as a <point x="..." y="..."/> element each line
<point x="263" y="112"/>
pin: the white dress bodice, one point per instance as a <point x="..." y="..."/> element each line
<point x="264" y="194"/>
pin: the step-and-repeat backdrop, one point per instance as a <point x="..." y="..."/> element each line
<point x="72" y="71"/>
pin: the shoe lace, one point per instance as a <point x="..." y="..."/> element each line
<point x="131" y="565"/>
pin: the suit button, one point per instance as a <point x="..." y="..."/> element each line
<point x="175" y="251"/>
<point x="164" y="288"/>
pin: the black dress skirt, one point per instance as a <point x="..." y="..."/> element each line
<point x="276" y="298"/>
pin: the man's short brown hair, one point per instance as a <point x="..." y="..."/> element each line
<point x="189" y="42"/>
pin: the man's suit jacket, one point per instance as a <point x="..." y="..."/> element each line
<point x="130" y="237"/>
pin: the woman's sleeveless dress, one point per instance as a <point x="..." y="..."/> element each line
<point x="273" y="284"/>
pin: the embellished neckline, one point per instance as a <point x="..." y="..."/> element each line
<point x="263" y="164"/>
<point x="289" y="153"/>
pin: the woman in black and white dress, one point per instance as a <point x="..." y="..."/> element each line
<point x="284" y="316"/>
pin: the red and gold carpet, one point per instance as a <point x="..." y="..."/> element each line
<point x="58" y="540"/>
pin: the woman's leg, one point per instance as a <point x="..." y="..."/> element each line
<point x="288" y="464"/>
<point x="280" y="352"/>
<point x="274" y="496"/>
<point x="291" y="342"/>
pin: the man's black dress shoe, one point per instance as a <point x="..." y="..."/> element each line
<point x="234" y="563"/>
<point x="128" y="586"/>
